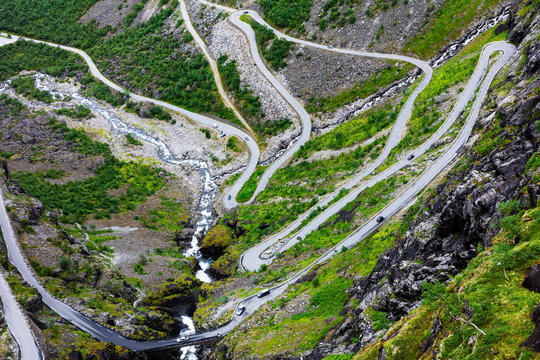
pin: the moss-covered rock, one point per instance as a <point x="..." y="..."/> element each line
<point x="224" y="266"/>
<point x="216" y="241"/>
<point x="178" y="291"/>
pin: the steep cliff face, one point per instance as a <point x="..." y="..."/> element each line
<point x="495" y="177"/>
<point x="461" y="218"/>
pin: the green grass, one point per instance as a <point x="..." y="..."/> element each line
<point x="447" y="25"/>
<point x="78" y="199"/>
<point x="166" y="217"/>
<point x="426" y="118"/>
<point x="358" y="129"/>
<point x="501" y="308"/>
<point x="363" y="89"/>
<point x="326" y="295"/>
<point x="251" y="185"/>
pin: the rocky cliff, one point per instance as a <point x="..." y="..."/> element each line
<point x="460" y="217"/>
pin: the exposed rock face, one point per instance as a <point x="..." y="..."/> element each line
<point x="533" y="342"/>
<point x="444" y="237"/>
<point x="450" y="226"/>
<point x="215" y="242"/>
<point x="183" y="237"/>
<point x="532" y="280"/>
<point x="179" y="291"/>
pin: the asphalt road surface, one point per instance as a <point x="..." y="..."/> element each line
<point x="252" y="303"/>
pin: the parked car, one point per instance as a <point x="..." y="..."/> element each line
<point x="380" y="219"/>
<point x="410" y="157"/>
<point x="330" y="47"/>
<point x="240" y="310"/>
<point x="214" y="125"/>
<point x="263" y="292"/>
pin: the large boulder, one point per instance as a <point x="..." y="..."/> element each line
<point x="216" y="241"/>
<point x="182" y="290"/>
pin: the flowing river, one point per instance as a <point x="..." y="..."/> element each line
<point x="205" y="215"/>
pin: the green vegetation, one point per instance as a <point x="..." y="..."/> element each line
<point x="447" y="25"/>
<point x="248" y="101"/>
<point x="232" y="144"/>
<point x="339" y="226"/>
<point x="149" y="62"/>
<point x="99" y="90"/>
<point x="492" y="138"/>
<point x="14" y="106"/>
<point x="78" y="199"/>
<point x="377" y="81"/>
<point x="499" y="305"/>
<point x="206" y="133"/>
<point x="140" y="57"/>
<point x="132" y="140"/>
<point x="426" y="119"/>
<point x="251" y="185"/>
<point x="334" y="13"/>
<point x="272" y="128"/>
<point x="154" y="111"/>
<point x="25" y="85"/>
<point x="79" y="112"/>
<point x="356" y="130"/>
<point x="274" y="50"/>
<point x="288" y="14"/>
<point x="52" y="20"/>
<point x="327" y="300"/>
<point x="139" y="265"/>
<point x="24" y="55"/>
<point x="168" y="216"/>
<point x="137" y="8"/>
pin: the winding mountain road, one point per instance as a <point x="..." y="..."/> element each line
<point x="397" y="129"/>
<point x="252" y="303"/>
<point x="213" y="65"/>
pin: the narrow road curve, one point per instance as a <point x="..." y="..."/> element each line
<point x="252" y="303"/>
<point x="260" y="254"/>
<point x="17" y="324"/>
<point x="15" y="319"/>
<point x="201" y="119"/>
<point x="213" y="65"/>
<point x="393" y="139"/>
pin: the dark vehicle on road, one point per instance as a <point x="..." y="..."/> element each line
<point x="240" y="310"/>
<point x="410" y="157"/>
<point x="229" y="197"/>
<point x="263" y="292"/>
<point x="380" y="219"/>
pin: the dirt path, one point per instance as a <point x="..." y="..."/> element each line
<point x="213" y="65"/>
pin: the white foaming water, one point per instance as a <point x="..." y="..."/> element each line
<point x="188" y="352"/>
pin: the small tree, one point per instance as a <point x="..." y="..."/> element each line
<point x="65" y="262"/>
